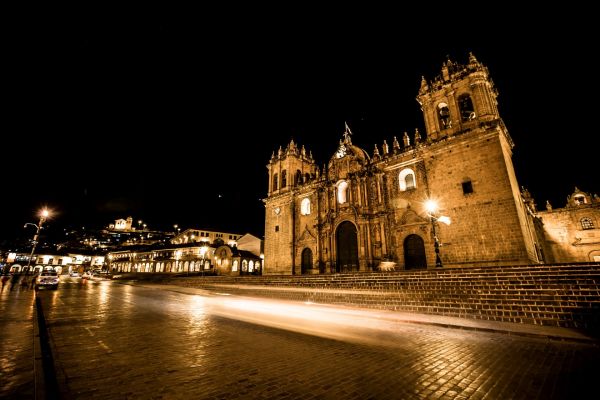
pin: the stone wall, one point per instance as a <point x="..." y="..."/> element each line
<point x="552" y="295"/>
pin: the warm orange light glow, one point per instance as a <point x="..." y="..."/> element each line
<point x="45" y="213"/>
<point x="431" y="206"/>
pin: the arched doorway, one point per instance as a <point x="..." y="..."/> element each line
<point x="306" y="260"/>
<point x="414" y="252"/>
<point x="347" y="247"/>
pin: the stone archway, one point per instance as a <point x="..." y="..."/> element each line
<point x="347" y="247"/>
<point x="414" y="252"/>
<point x="307" y="260"/>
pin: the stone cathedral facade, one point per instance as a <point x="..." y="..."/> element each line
<point x="361" y="209"/>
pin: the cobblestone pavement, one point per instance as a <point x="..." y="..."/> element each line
<point x="119" y="341"/>
<point x="16" y="342"/>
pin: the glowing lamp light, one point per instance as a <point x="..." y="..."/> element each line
<point x="431" y="206"/>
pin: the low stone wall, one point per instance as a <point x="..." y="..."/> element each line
<point x="551" y="295"/>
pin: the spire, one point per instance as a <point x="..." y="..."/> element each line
<point x="303" y="151"/>
<point x="280" y="152"/>
<point x="446" y="69"/>
<point x="406" y="140"/>
<point x="396" y="145"/>
<point x="548" y="205"/>
<point x="272" y="156"/>
<point x="385" y="148"/>
<point x="424" y="86"/>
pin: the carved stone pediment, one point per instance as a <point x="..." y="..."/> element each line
<point x="306" y="235"/>
<point x="410" y="218"/>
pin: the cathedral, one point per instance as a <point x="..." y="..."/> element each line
<point x="449" y="197"/>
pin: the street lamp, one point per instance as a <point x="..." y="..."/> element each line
<point x="43" y="215"/>
<point x="432" y="208"/>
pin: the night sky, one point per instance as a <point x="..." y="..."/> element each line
<point x="174" y="122"/>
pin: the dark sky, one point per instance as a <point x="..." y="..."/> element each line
<point x="172" y="121"/>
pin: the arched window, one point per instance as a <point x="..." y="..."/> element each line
<point x="342" y="186"/>
<point x="275" y="181"/>
<point x="283" y="178"/>
<point x="407" y="180"/>
<point x="245" y="265"/>
<point x="444" y="115"/>
<point x="234" y="266"/>
<point x="298" y="178"/>
<point x="579" y="199"/>
<point x="306" y="177"/>
<point x="587" y="223"/>
<point x="251" y="266"/>
<point x="305" y="206"/>
<point x="465" y="104"/>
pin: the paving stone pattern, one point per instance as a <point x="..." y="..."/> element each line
<point x="117" y="341"/>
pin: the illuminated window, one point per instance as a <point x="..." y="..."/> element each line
<point x="587" y="223"/>
<point x="245" y="265"/>
<point x="283" y="178"/>
<point x="275" y="181"/>
<point x="407" y="180"/>
<point x="251" y="266"/>
<point x="305" y="206"/>
<point x="444" y="115"/>
<point x="342" y="187"/>
<point x="467" y="112"/>
<point x="234" y="266"/>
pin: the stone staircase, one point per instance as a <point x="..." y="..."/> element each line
<point x="551" y="295"/>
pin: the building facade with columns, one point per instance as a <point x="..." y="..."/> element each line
<point x="361" y="209"/>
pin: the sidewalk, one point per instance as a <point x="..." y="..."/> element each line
<point x="17" y="342"/>
<point x="548" y="332"/>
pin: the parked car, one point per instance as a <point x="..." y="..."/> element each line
<point x="75" y="274"/>
<point x="47" y="279"/>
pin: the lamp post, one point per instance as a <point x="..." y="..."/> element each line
<point x="432" y="208"/>
<point x="43" y="215"/>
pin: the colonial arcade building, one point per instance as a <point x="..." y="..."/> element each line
<point x="360" y="209"/>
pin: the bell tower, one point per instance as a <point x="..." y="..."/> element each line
<point x="459" y="99"/>
<point x="290" y="171"/>
<point x="290" y="168"/>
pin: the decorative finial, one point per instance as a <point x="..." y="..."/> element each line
<point x="396" y="145"/>
<point x="424" y="85"/>
<point x="472" y="59"/>
<point x="303" y="151"/>
<point x="406" y="140"/>
<point x="385" y="148"/>
<point x="376" y="151"/>
<point x="417" y="136"/>
<point x="548" y="205"/>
